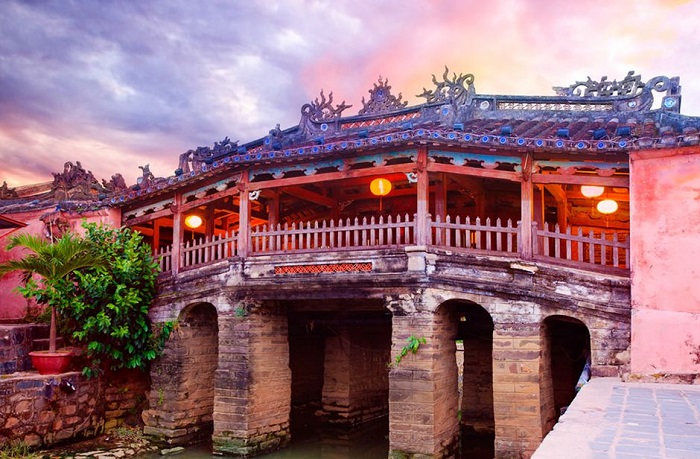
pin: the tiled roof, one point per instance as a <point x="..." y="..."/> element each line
<point x="587" y="118"/>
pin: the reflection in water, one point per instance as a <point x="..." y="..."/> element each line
<point x="369" y="441"/>
<point x="475" y="446"/>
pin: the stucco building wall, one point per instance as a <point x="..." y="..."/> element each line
<point x="665" y="223"/>
<point x="13" y="306"/>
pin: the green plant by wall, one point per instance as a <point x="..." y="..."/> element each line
<point x="14" y="450"/>
<point x="412" y="347"/>
<point x="110" y="312"/>
<point x="48" y="271"/>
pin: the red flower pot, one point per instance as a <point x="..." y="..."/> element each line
<point x="51" y="363"/>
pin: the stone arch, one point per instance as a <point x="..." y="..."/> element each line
<point x="474" y="336"/>
<point x="181" y="399"/>
<point x="338" y="354"/>
<point x="566" y="351"/>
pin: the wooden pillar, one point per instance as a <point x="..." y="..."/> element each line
<point x="526" y="208"/>
<point x="480" y="205"/>
<point x="441" y="197"/>
<point x="243" y="218"/>
<point x="156" y="235"/>
<point x="209" y="221"/>
<point x="178" y="234"/>
<point x="562" y="214"/>
<point x="538" y="206"/>
<point x="273" y="208"/>
<point x="422" y="196"/>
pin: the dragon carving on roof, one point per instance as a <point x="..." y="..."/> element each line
<point x="457" y="91"/>
<point x="323" y="110"/>
<point x="629" y="86"/>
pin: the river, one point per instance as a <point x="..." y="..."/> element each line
<point x="369" y="441"/>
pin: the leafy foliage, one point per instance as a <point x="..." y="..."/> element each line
<point x="412" y="347"/>
<point x="110" y="312"/>
<point x="56" y="264"/>
<point x="101" y="285"/>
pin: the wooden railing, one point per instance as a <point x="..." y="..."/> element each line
<point x="474" y="236"/>
<point x="605" y="249"/>
<point x="333" y="236"/>
<point x="204" y="250"/>
<point x="164" y="256"/>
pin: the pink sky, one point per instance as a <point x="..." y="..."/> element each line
<point x="116" y="85"/>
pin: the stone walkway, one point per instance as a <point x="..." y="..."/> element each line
<point x="108" y="446"/>
<point x="614" y="419"/>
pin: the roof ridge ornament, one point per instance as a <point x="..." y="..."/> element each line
<point x="631" y="85"/>
<point x="381" y="99"/>
<point x="323" y="110"/>
<point x="457" y="91"/>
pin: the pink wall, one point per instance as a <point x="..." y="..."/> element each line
<point x="12" y="304"/>
<point x="665" y="249"/>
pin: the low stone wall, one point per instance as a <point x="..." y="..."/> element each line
<point x="125" y="398"/>
<point x="45" y="410"/>
<point x="16" y="341"/>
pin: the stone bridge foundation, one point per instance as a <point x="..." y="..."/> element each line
<point x="517" y="389"/>
<point x="235" y="373"/>
<point x="507" y="382"/>
<point x="423" y="394"/>
<point x="253" y="382"/>
<point x="182" y="380"/>
<point x="355" y="379"/>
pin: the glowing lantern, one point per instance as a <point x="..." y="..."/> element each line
<point x="380" y="187"/>
<point x="592" y="191"/>
<point x="193" y="221"/>
<point x="607" y="206"/>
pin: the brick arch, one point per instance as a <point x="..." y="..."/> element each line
<point x="610" y="337"/>
<point x="475" y="328"/>
<point x="197" y="311"/>
<point x="566" y="350"/>
<point x="181" y="400"/>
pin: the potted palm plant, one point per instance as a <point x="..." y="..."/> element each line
<point x="54" y="262"/>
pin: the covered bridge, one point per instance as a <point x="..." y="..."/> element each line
<point x="305" y="267"/>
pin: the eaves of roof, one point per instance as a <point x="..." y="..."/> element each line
<point x="563" y="125"/>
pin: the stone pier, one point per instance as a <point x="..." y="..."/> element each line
<point x="356" y="385"/>
<point x="181" y="399"/>
<point x="253" y="383"/>
<point x="516" y="389"/>
<point x="423" y="394"/>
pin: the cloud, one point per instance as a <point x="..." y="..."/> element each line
<point x="119" y="84"/>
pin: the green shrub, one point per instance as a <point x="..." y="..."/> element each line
<point x="110" y="314"/>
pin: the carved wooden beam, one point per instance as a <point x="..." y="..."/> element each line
<point x="474" y="172"/>
<point x="307" y="195"/>
<point x="210" y="198"/>
<point x="619" y="181"/>
<point x="331" y="176"/>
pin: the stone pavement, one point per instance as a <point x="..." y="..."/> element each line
<point x="614" y="419"/>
